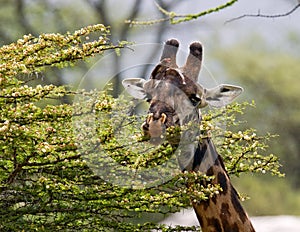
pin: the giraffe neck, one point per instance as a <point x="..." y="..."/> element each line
<point x="223" y="212"/>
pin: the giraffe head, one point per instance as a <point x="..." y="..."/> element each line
<point x="173" y="93"/>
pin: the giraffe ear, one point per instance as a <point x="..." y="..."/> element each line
<point x="135" y="87"/>
<point x="222" y="95"/>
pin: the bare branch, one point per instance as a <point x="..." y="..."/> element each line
<point x="134" y="12"/>
<point x="21" y="16"/>
<point x="100" y="7"/>
<point x="264" y="15"/>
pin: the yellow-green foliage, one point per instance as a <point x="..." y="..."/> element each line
<point x="47" y="182"/>
<point x="31" y="54"/>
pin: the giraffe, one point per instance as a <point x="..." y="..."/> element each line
<point x="175" y="98"/>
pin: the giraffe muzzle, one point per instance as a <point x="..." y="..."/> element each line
<point x="154" y="128"/>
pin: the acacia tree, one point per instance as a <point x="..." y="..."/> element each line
<point x="48" y="174"/>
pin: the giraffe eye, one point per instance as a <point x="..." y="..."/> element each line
<point x="195" y="99"/>
<point x="148" y="97"/>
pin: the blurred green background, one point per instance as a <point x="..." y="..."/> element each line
<point x="261" y="54"/>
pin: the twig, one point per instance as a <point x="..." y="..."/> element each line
<point x="264" y="15"/>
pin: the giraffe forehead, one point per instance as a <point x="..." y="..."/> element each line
<point x="167" y="95"/>
<point x="172" y="81"/>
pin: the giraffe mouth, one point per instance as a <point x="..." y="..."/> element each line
<point x="155" y="128"/>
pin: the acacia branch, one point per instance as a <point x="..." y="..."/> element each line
<point x="175" y="18"/>
<point x="265" y="15"/>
